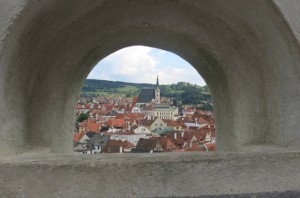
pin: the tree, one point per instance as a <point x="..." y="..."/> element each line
<point x="175" y="102"/>
<point x="191" y="95"/>
<point x="206" y="107"/>
<point x="82" y="117"/>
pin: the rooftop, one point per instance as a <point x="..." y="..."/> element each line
<point x="146" y="95"/>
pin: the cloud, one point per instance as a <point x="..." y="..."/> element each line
<point x="132" y="63"/>
<point x="169" y="75"/>
<point x="161" y="51"/>
<point x="98" y="75"/>
<point x="141" y="64"/>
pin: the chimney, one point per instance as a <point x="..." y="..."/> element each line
<point x="175" y="136"/>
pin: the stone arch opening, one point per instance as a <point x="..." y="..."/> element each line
<point x="236" y="46"/>
<point x="185" y="53"/>
<point x="132" y="67"/>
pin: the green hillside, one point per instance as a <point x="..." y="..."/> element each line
<point x="182" y="91"/>
<point x="107" y="88"/>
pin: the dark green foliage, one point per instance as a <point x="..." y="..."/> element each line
<point x="110" y="86"/>
<point x="82" y="117"/>
<point x="206" y="107"/>
<point x="181" y="91"/>
<point x="175" y="103"/>
<point x="186" y="92"/>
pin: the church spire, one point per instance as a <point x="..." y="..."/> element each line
<point x="157" y="92"/>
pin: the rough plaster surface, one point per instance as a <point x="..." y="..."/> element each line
<point x="247" y="51"/>
<point x="148" y="175"/>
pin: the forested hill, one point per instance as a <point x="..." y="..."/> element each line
<point x="182" y="91"/>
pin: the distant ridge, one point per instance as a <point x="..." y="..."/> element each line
<point x="116" y="83"/>
<point x="182" y="91"/>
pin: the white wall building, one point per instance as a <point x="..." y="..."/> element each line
<point x="133" y="138"/>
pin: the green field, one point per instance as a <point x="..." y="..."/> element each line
<point x="128" y="88"/>
<point x="182" y="91"/>
<point x="123" y="91"/>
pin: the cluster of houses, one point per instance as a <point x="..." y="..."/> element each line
<point x="136" y="132"/>
<point x="142" y="124"/>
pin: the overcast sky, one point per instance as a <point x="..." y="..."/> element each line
<point x="141" y="64"/>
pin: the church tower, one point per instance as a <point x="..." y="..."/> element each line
<point x="157" y="92"/>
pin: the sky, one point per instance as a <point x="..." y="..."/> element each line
<point x="140" y="64"/>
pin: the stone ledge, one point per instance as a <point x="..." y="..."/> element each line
<point x="287" y="194"/>
<point x="150" y="175"/>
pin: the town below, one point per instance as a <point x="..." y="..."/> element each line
<point x="147" y="123"/>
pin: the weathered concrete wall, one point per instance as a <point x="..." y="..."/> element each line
<point x="148" y="175"/>
<point x="12" y="119"/>
<point x="247" y="51"/>
<point x="288" y="75"/>
<point x="244" y="50"/>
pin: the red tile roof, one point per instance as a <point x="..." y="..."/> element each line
<point x="166" y="143"/>
<point x="134" y="101"/>
<point x="184" y="119"/>
<point x="91" y="125"/>
<point x="208" y="118"/>
<point x="149" y="122"/>
<point x="188" y="136"/>
<point x="116" y="122"/>
<point x="128" y="108"/>
<point x="211" y="146"/>
<point x="188" y="110"/>
<point x="194" y="147"/>
<point x="113" y="146"/>
<point x="79" y="106"/>
<point x="130" y="116"/>
<point x="201" y="121"/>
<point x="172" y="123"/>
<point x="119" y="143"/>
<point x="76" y="137"/>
